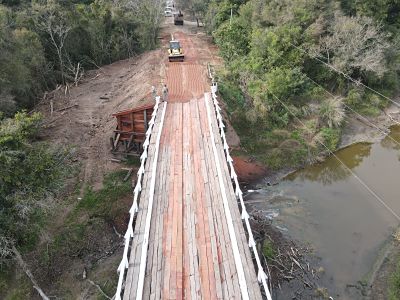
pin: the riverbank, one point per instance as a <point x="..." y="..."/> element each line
<point x="386" y="265"/>
<point x="375" y="284"/>
<point x="355" y="130"/>
<point x="369" y="129"/>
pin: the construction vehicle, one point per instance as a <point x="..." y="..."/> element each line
<point x="175" y="52"/>
<point x="178" y="18"/>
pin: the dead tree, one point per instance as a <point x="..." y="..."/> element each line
<point x="50" y="20"/>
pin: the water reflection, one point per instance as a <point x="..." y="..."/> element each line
<point x="393" y="139"/>
<point x="332" y="170"/>
<point x="335" y="214"/>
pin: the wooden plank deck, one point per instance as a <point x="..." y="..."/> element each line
<point x="190" y="253"/>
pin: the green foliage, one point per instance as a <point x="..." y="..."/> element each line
<point x="383" y="11"/>
<point x="30" y="174"/>
<point x="269" y="83"/>
<point x="394" y="284"/>
<point x="331" y="137"/>
<point x="42" y="42"/>
<point x="100" y="203"/>
<point x="218" y="12"/>
<point x="234" y="40"/>
<point x="268" y="249"/>
<point x="331" y="112"/>
<point x="285" y="83"/>
<point x="271" y="47"/>
<point x="354" y="98"/>
<point x="232" y="95"/>
<point x="22" y="64"/>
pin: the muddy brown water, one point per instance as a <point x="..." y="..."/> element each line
<point x="326" y="207"/>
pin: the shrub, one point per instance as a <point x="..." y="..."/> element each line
<point x="331" y="137"/>
<point x="30" y="174"/>
<point x="332" y="112"/>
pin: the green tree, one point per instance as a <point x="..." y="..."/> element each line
<point x="233" y="39"/>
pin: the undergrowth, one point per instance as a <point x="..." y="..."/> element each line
<point x="100" y="203"/>
<point x="275" y="145"/>
<point x="394" y="284"/>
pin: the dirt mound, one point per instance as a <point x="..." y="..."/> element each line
<point x="247" y="170"/>
<point x="88" y="124"/>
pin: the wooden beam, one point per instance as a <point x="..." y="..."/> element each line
<point x="145" y="120"/>
<point x="116" y="141"/>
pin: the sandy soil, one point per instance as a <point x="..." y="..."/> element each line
<point x="360" y="130"/>
<point x="89" y="126"/>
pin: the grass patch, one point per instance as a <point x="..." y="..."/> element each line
<point x="366" y="103"/>
<point x="132" y="161"/>
<point x="5" y="278"/>
<point x="369" y="111"/>
<point x="101" y="202"/>
<point x="276" y="148"/>
<point x="12" y="288"/>
<point x="268" y="249"/>
<point x="394" y="284"/>
<point x="331" y="137"/>
<point x="91" y="216"/>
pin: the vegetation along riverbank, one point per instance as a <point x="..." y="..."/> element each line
<point x="299" y="79"/>
<point x="302" y="79"/>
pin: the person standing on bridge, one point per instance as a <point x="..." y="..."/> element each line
<point x="165" y="93"/>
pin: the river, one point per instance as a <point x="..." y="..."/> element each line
<point x="325" y="206"/>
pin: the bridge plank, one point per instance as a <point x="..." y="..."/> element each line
<point x="209" y="224"/>
<point x="167" y="247"/>
<point x="210" y="198"/>
<point x="133" y="269"/>
<point x="199" y="191"/>
<point x="193" y="219"/>
<point x="164" y="205"/>
<point x="176" y="252"/>
<point x="229" y="273"/>
<point x="190" y="254"/>
<point x="253" y="285"/>
<point x="153" y="281"/>
<point x="186" y="203"/>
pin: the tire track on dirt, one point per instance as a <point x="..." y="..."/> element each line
<point x="188" y="79"/>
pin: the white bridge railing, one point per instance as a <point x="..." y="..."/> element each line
<point x="261" y="275"/>
<point x="123" y="266"/>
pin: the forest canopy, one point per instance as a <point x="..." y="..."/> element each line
<point x="289" y="61"/>
<point x="49" y="42"/>
<point x="45" y="43"/>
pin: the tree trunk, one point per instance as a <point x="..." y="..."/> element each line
<point x="61" y="65"/>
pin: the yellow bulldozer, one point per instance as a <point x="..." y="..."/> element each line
<point x="175" y="52"/>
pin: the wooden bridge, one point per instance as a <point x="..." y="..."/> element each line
<point x="186" y="237"/>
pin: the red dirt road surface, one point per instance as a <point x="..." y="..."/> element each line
<point x="188" y="79"/>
